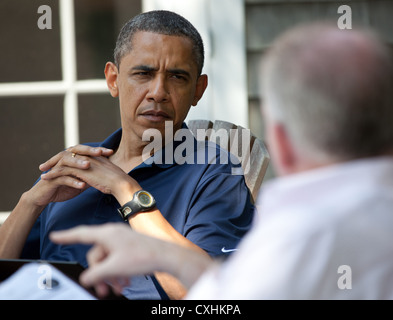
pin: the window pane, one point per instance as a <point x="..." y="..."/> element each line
<point x="27" y="52"/>
<point x="97" y="24"/>
<point x="99" y="116"/>
<point x="31" y="129"/>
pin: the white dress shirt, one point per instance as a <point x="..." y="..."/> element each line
<point x="322" y="234"/>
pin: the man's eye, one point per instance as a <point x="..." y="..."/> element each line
<point x="142" y="73"/>
<point x="178" y="77"/>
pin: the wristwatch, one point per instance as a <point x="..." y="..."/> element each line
<point x="142" y="201"/>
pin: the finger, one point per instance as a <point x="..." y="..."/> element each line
<point x="70" y="181"/>
<point x="80" y="234"/>
<point x="101" y="289"/>
<point x="51" y="162"/>
<point x="99" y="272"/>
<point x="95" y="254"/>
<point x="67" y="159"/>
<point x="79" y="150"/>
<point x="63" y="171"/>
<point x="90" y="151"/>
<point x="118" y="284"/>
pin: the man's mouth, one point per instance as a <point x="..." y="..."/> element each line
<point x="156" y="116"/>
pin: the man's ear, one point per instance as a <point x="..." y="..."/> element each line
<point x="201" y="86"/>
<point x="111" y="75"/>
<point x="286" y="160"/>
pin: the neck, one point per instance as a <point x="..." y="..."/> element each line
<point x="129" y="153"/>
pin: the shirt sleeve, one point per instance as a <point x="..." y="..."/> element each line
<point x="31" y="249"/>
<point x="221" y="214"/>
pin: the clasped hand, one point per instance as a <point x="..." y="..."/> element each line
<point x="72" y="171"/>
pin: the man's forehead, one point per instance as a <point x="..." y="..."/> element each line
<point x="143" y="38"/>
<point x="150" y="49"/>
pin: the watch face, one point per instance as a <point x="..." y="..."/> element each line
<point x="145" y="199"/>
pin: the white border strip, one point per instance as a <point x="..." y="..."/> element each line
<point x="68" y="63"/>
<point x="91" y="86"/>
<point x="67" y="36"/>
<point x="32" y="88"/>
<point x="69" y="86"/>
<point x="3" y="217"/>
<point x="45" y="88"/>
<point x="222" y="27"/>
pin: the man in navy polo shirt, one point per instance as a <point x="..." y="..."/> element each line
<point x="197" y="204"/>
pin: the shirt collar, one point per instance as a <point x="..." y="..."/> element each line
<point x="322" y="182"/>
<point x="113" y="141"/>
<point x="158" y="158"/>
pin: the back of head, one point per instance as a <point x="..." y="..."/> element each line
<point x="161" y="22"/>
<point x="332" y="89"/>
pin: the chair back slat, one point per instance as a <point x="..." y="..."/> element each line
<point x="256" y="159"/>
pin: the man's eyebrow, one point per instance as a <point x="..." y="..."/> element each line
<point x="144" y="68"/>
<point x="147" y="68"/>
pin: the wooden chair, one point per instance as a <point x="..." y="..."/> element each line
<point x="257" y="158"/>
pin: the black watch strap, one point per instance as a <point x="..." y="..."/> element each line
<point x="142" y="201"/>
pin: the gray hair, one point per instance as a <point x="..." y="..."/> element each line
<point x="161" y="22"/>
<point x="333" y="91"/>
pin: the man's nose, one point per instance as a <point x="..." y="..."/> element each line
<point x="158" y="90"/>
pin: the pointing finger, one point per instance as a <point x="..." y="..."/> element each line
<point x="81" y="234"/>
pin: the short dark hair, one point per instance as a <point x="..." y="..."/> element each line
<point x="162" y="22"/>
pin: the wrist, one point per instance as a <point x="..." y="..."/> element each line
<point x="185" y="264"/>
<point x="31" y="204"/>
<point x="125" y="190"/>
<point x="29" y="198"/>
<point x="142" y="201"/>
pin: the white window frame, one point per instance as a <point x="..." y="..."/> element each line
<point x="3" y="216"/>
<point x="69" y="86"/>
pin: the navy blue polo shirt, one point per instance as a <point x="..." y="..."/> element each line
<point x="202" y="199"/>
